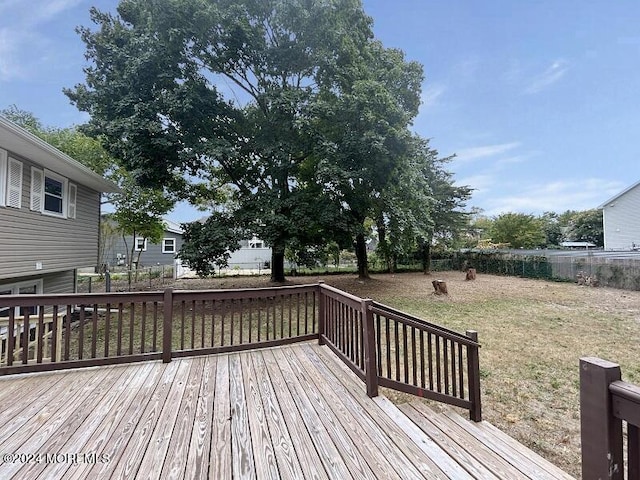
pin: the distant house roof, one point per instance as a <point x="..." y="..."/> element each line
<point x="25" y="144"/>
<point x="616" y="197"/>
<point x="172" y="227"/>
<point x="578" y="244"/>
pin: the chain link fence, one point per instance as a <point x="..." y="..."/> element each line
<point x="603" y="270"/>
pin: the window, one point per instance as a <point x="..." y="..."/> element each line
<point x="52" y="194"/>
<point x="168" y="245"/>
<point x="140" y="244"/>
<point x="22" y="288"/>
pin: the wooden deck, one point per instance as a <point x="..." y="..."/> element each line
<point x="287" y="412"/>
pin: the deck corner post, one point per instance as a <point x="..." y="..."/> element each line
<point x="322" y="313"/>
<point x="473" y="367"/>
<point x="167" y="325"/>
<point x="600" y="431"/>
<point x="369" y="338"/>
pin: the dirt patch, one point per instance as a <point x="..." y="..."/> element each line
<point x="532" y="332"/>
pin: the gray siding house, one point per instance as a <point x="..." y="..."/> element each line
<point x="49" y="215"/>
<point x="621" y="219"/>
<point x="163" y="253"/>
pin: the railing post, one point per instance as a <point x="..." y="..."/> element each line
<point x="167" y="325"/>
<point x="369" y="340"/>
<point x="600" y="431"/>
<point x="322" y="320"/>
<point x="473" y="368"/>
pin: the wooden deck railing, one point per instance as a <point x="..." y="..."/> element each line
<point x="383" y="346"/>
<point x="606" y="403"/>
<point x="389" y="348"/>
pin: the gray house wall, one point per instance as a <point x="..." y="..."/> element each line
<point x="621" y="218"/>
<point x="116" y="252"/>
<point x="36" y="244"/>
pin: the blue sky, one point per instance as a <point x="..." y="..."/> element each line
<point x="539" y="100"/>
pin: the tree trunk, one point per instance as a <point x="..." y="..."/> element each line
<point x="361" y="255"/>
<point x="277" y="263"/>
<point x="383" y="248"/>
<point x="426" y="256"/>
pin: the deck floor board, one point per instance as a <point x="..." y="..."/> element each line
<point x="287" y="412"/>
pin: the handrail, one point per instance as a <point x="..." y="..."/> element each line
<point x="88" y="329"/>
<point x="605" y="402"/>
<point x="389" y="348"/>
<point x="383" y="346"/>
<point x="422" y="324"/>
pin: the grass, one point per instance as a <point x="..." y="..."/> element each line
<point x="532" y="332"/>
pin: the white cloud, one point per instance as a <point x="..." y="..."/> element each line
<point x="480" y="183"/>
<point x="22" y="37"/>
<point x="551" y="75"/>
<point x="468" y="154"/>
<point x="48" y="9"/>
<point x="431" y="94"/>
<point x="558" y="196"/>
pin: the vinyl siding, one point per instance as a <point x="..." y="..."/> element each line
<point x="59" y="282"/>
<point x="60" y="244"/>
<point x="622" y="222"/>
<point x="152" y="256"/>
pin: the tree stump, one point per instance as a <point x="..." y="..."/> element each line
<point x="440" y="287"/>
<point x="471" y="274"/>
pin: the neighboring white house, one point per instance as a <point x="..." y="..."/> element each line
<point x="621" y="220"/>
<point x="253" y="254"/>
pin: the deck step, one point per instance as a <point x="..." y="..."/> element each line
<point x="459" y="445"/>
<point x="503" y="455"/>
<point x="441" y="457"/>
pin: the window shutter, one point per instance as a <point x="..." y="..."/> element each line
<point x="73" y="192"/>
<point x="37" y="189"/>
<point x="3" y="177"/>
<point x="14" y="184"/>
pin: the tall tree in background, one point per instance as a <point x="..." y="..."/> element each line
<point x="586" y="226"/>
<point x="194" y="93"/>
<point x="519" y="230"/>
<point x="362" y="123"/>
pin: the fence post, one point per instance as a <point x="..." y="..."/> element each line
<point x="600" y="431"/>
<point x="107" y="281"/>
<point x="369" y="340"/>
<point x="167" y="326"/>
<point x="322" y="320"/>
<point x="473" y="367"/>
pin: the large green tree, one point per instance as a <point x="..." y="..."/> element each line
<point x="586" y="226"/>
<point x="191" y="94"/>
<point x="362" y="123"/>
<point x="519" y="230"/>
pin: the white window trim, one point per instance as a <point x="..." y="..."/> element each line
<point x="65" y="194"/>
<point x="164" y="248"/>
<point x="15" y="287"/>
<point x="136" y="247"/>
<point x="3" y="177"/>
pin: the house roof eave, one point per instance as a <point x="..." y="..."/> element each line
<point x="21" y="142"/>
